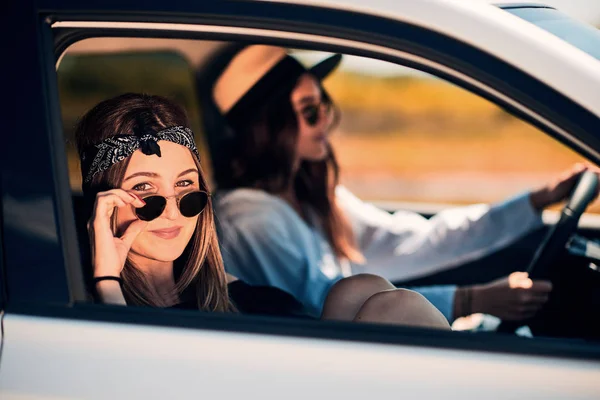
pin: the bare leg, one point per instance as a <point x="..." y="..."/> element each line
<point x="348" y="295"/>
<point x="372" y="298"/>
<point x="401" y="307"/>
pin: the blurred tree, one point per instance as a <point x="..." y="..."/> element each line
<point x="86" y="79"/>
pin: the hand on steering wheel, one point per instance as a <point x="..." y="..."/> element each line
<point x="512" y="298"/>
<point x="560" y="188"/>
<point x="584" y="192"/>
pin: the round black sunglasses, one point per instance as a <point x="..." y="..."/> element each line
<point x="189" y="204"/>
<point x="312" y="113"/>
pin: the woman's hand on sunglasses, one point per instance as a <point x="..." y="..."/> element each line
<point x="109" y="253"/>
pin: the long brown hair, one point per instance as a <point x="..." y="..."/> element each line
<point x="261" y="154"/>
<point x="200" y="265"/>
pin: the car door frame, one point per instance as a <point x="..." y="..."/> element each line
<point x="67" y="301"/>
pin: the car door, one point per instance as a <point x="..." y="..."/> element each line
<point x="56" y="344"/>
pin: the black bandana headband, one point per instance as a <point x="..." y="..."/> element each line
<point x="99" y="157"/>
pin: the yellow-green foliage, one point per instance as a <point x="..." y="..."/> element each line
<point x="413" y="128"/>
<point x="438" y="126"/>
<point x="407" y="94"/>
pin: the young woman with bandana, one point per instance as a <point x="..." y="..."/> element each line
<point x="151" y="228"/>
<point x="286" y="222"/>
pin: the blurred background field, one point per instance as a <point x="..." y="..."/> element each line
<point x="402" y="137"/>
<point x="422" y="139"/>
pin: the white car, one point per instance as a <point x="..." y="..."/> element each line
<point x="529" y="59"/>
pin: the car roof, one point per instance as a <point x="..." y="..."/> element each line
<point x="493" y="30"/>
<point x="488" y="27"/>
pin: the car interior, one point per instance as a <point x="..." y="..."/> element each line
<point x="186" y="70"/>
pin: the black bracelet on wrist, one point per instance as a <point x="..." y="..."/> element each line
<point x="468" y="304"/>
<point x="107" y="278"/>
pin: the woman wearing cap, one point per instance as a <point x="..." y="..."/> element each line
<point x="286" y="222"/>
<point x="152" y="235"/>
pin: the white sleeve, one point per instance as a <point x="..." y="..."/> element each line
<point x="405" y="245"/>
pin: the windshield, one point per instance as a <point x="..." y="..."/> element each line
<point x="577" y="33"/>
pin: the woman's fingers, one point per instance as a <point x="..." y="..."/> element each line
<point x="539" y="299"/>
<point x="132" y="231"/>
<point x="109" y="252"/>
<point x="535" y="295"/>
<point x="531" y="300"/>
<point x="539" y="286"/>
<point x="126" y="197"/>
<point x="106" y="202"/>
<point x="522" y="311"/>
<point x="514" y="297"/>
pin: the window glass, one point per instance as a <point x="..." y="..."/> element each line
<point x="97" y="69"/>
<point x="406" y="136"/>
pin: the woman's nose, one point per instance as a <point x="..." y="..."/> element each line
<point x="325" y="114"/>
<point x="171" y="210"/>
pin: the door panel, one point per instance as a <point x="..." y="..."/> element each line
<point x="57" y="358"/>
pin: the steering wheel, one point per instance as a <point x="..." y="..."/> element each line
<point x="557" y="237"/>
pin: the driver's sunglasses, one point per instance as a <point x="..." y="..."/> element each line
<point x="190" y="204"/>
<point x="312" y="113"/>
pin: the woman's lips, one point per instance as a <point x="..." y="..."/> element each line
<point x="168" y="233"/>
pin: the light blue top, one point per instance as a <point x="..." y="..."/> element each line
<point x="265" y="242"/>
